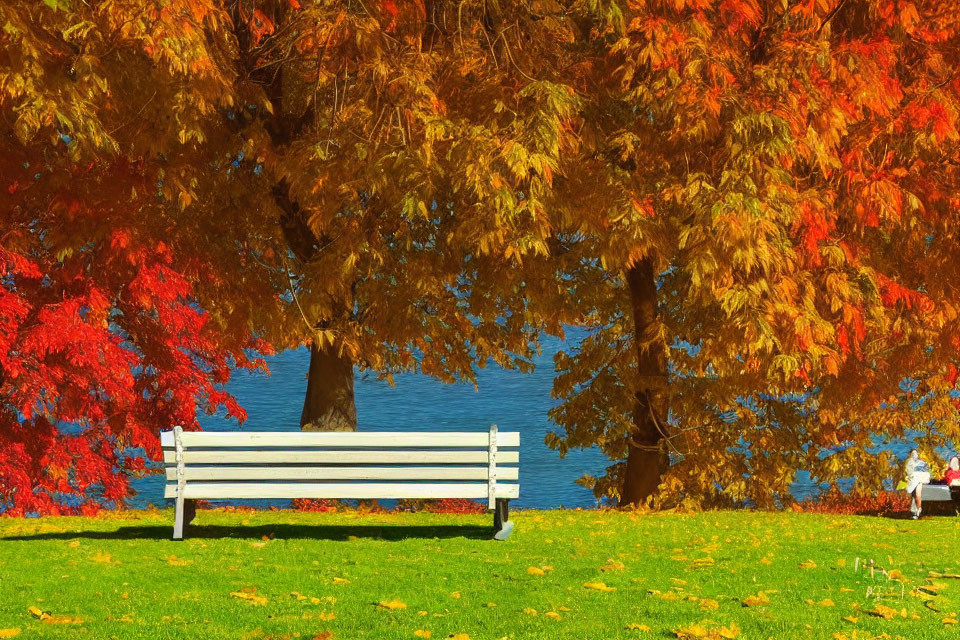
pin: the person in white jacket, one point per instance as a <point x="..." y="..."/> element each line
<point x="917" y="474"/>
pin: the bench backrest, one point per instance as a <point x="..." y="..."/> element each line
<point x="346" y="465"/>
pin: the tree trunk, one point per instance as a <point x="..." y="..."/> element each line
<point x="329" y="403"/>
<point x="647" y="457"/>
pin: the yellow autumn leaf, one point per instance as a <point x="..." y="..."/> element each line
<point x="883" y="611"/>
<point x="636" y="626"/>
<point x="709" y="605"/>
<point x="177" y="562"/>
<point x="530" y="612"/>
<point x="701" y="563"/>
<point x="249" y="596"/>
<point x="62" y="620"/>
<point x="535" y="571"/>
<point x="327" y="617"/>
<point x="950" y="620"/>
<point x="422" y="633"/>
<point x="392" y="605"/>
<point x="852" y="619"/>
<point x="729" y="633"/>
<point x="552" y="614"/>
<point x="9" y="633"/>
<point x="613" y="565"/>
<point x="691" y="632"/>
<point x="298" y="595"/>
<point x="337" y="580"/>
<point x="458" y="636"/>
<point x="759" y="599"/>
<point x="766" y="561"/>
<point x="826" y="602"/>
<point x="808" y="564"/>
<point x="104" y="558"/>
<point x="598" y="586"/>
<point x="37" y="612"/>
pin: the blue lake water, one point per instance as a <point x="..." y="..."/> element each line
<point x="512" y="400"/>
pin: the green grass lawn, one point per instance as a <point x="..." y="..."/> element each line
<point x="307" y="575"/>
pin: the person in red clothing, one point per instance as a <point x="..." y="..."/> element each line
<point x="952" y="476"/>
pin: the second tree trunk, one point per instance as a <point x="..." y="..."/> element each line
<point x="329" y="404"/>
<point x="647" y="458"/>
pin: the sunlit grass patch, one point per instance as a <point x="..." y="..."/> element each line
<point x="563" y="574"/>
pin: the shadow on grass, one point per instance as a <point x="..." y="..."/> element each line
<point x="279" y="532"/>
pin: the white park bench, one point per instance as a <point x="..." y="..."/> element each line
<point x="205" y="465"/>
<point x="940" y="493"/>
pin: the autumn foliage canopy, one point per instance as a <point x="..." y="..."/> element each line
<point x="751" y="205"/>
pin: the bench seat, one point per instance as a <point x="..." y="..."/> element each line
<point x="341" y="465"/>
<point x="939" y="493"/>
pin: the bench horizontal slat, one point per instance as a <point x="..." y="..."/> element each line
<point x="349" y="439"/>
<point x="936" y="493"/>
<point x="306" y="456"/>
<point x="337" y="491"/>
<point x="193" y="473"/>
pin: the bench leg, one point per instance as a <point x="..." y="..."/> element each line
<point x="178" y="519"/>
<point x="502" y="526"/>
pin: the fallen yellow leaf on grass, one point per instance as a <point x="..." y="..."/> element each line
<point x="62" y="620"/>
<point x="298" y="595"/>
<point x="852" y="619"/>
<point x="759" y="599"/>
<point x="9" y="633"/>
<point x="458" y="636"/>
<point x="422" y="633"/>
<point x="73" y="543"/>
<point x="340" y="580"/>
<point x="249" y="596"/>
<point x="826" y="602"/>
<point x="392" y="604"/>
<point x="613" y="565"/>
<point x="709" y="605"/>
<point x="556" y="616"/>
<point x="455" y="594"/>
<point x="37" y="612"/>
<point x="177" y="562"/>
<point x="324" y="635"/>
<point x="258" y="544"/>
<point x="766" y="561"/>
<point x="530" y="612"/>
<point x="327" y="617"/>
<point x="883" y="611"/>
<point x="950" y="620"/>
<point x="636" y="626"/>
<point x="701" y="563"/>
<point x="104" y="558"/>
<point x="598" y="586"/>
<point x="696" y="631"/>
<point x="809" y="564"/>
<point x="535" y="571"/>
